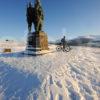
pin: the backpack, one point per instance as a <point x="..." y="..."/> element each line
<point x="62" y="40"/>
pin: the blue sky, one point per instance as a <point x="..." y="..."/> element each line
<point x="62" y="17"/>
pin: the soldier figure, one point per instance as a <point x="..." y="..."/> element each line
<point x="39" y="17"/>
<point x="35" y="15"/>
<point x="29" y="14"/>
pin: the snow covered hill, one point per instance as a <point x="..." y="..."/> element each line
<point x="54" y="76"/>
<point x="90" y="40"/>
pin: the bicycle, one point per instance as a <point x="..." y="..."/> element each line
<point x="60" y="48"/>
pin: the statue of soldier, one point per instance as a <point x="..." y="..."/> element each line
<point x="38" y="16"/>
<point x="29" y="14"/>
<point x="37" y="40"/>
<point x="35" y="15"/>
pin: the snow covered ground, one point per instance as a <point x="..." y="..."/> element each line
<point x="54" y="76"/>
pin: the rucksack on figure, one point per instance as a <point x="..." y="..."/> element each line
<point x="62" y="40"/>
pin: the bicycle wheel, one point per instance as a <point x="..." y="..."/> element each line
<point x="58" y="48"/>
<point x="67" y="49"/>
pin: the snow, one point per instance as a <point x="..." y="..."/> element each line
<point x="36" y="51"/>
<point x="13" y="45"/>
<point x="54" y="76"/>
<point x="93" y="37"/>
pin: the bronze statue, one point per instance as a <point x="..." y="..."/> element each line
<point x="35" y="16"/>
<point x="29" y="14"/>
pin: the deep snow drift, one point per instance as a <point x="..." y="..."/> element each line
<point x="54" y="76"/>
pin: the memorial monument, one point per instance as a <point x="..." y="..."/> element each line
<point x="37" y="40"/>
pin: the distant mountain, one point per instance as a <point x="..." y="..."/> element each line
<point x="85" y="40"/>
<point x="93" y="37"/>
<point x="95" y="41"/>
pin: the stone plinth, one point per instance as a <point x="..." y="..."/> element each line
<point x="36" y="42"/>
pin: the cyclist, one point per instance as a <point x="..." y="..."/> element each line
<point x="63" y="42"/>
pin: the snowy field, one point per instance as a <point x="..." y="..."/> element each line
<point x="54" y="76"/>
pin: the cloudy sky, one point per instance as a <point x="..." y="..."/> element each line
<point x="62" y="17"/>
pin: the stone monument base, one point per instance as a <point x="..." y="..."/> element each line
<point x="37" y="43"/>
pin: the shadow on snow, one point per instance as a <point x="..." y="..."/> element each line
<point x="17" y="84"/>
<point x="15" y="54"/>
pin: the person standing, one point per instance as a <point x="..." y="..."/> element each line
<point x="63" y="42"/>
